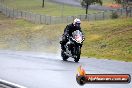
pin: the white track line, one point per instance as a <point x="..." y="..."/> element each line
<point x="13" y="85"/>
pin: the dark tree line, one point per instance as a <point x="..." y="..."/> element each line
<point x="87" y="3"/>
<point x="126" y="4"/>
<point x="43" y="4"/>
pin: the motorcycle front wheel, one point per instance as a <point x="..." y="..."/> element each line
<point x="64" y="56"/>
<point x="78" y="51"/>
<point x="77" y="59"/>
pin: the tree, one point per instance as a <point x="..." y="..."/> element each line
<point x="43" y="4"/>
<point x="87" y="3"/>
<point x="126" y="4"/>
<point x="118" y="1"/>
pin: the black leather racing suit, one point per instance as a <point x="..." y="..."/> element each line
<point x="67" y="33"/>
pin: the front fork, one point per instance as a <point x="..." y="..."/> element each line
<point x="76" y="50"/>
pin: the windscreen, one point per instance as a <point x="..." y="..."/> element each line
<point x="76" y="33"/>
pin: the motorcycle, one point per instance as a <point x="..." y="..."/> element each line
<point x="73" y="46"/>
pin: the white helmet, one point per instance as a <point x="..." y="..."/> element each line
<point x="78" y="21"/>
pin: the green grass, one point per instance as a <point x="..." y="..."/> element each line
<point x="111" y="39"/>
<point x="50" y="8"/>
<point x="16" y="34"/>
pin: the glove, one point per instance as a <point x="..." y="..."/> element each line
<point x="67" y="36"/>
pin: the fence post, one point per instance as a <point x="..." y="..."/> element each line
<point x="25" y="15"/>
<point x="95" y="17"/>
<point x="17" y="13"/>
<point x="121" y="11"/>
<point x="20" y="14"/>
<point x="9" y="12"/>
<point x="111" y="11"/>
<point x="130" y="11"/>
<point x="40" y="19"/>
<point x="103" y="15"/>
<point x="13" y="13"/>
<point x="0" y="7"/>
<point x="88" y="17"/>
<point x="50" y="20"/>
<point x="6" y="11"/>
<point x="45" y="19"/>
<point x="30" y="16"/>
<point x="3" y="9"/>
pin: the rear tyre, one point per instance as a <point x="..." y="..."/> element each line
<point x="64" y="57"/>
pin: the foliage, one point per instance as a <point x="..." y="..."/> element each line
<point x="114" y="15"/>
<point x="87" y="3"/>
<point x="43" y="4"/>
<point x="126" y="4"/>
<point x="118" y="1"/>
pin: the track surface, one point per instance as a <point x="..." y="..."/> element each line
<point x="41" y="70"/>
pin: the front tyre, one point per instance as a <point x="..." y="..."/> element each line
<point x="63" y="55"/>
<point x="77" y="59"/>
<point x="78" y="51"/>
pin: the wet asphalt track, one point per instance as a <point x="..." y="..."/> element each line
<point x="41" y="70"/>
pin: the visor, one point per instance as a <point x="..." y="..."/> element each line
<point x="78" y="22"/>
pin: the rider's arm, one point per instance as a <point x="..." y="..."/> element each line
<point x="82" y="32"/>
<point x="66" y="31"/>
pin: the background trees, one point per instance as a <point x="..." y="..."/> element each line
<point x="126" y="4"/>
<point x="87" y="3"/>
<point x="43" y="4"/>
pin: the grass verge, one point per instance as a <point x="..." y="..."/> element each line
<point x="110" y="39"/>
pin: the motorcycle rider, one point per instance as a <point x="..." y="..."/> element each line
<point x="68" y="32"/>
